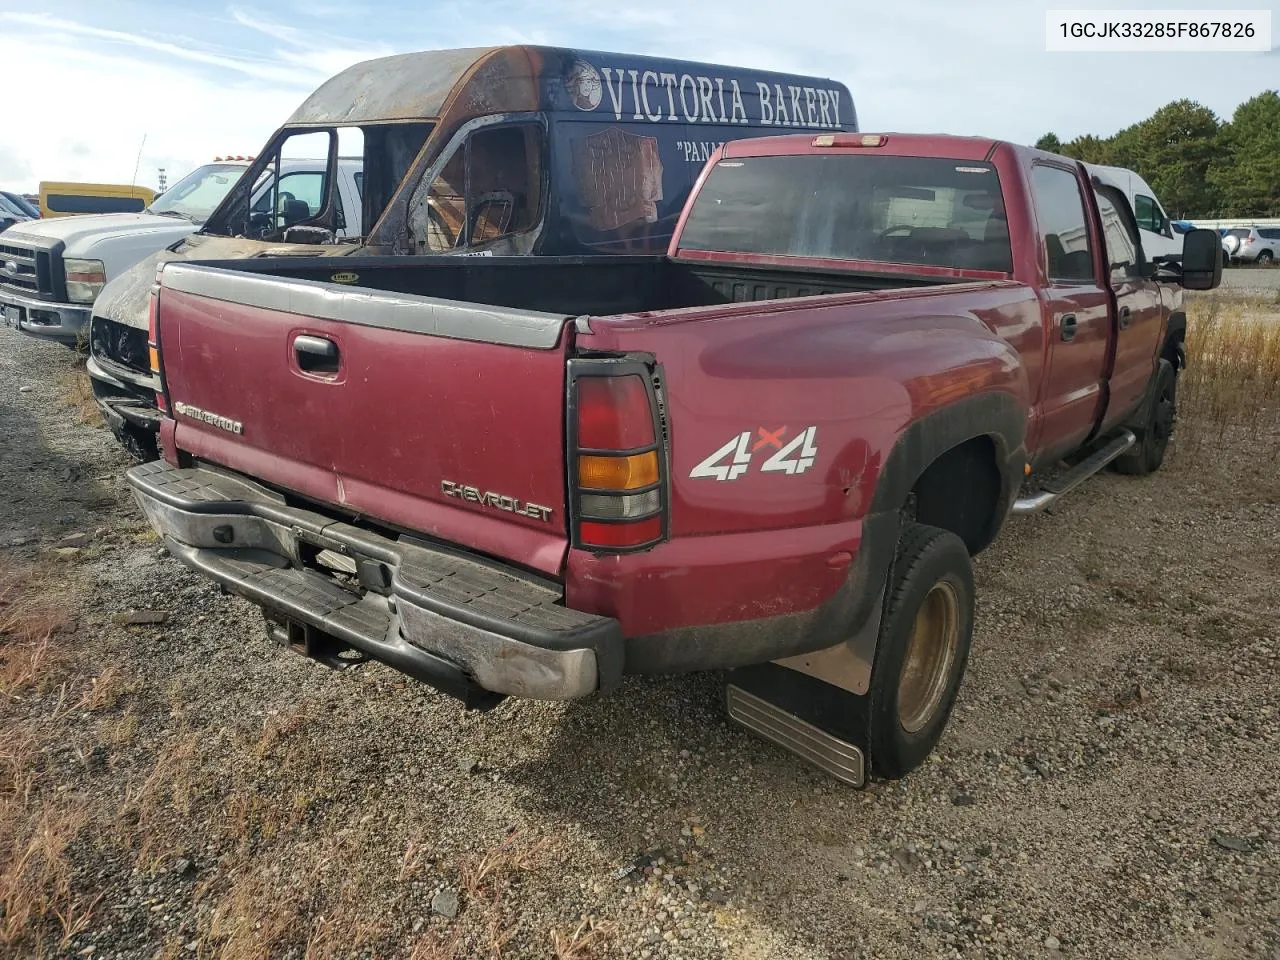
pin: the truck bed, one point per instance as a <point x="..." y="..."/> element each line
<point x="574" y="285"/>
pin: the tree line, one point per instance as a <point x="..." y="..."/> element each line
<point x="1198" y="165"/>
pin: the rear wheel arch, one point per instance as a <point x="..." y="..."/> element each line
<point x="961" y="465"/>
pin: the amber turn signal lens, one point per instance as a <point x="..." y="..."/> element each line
<point x="154" y="355"/>
<point x="618" y="473"/>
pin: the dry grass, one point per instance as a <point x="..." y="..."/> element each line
<point x="583" y="943"/>
<point x="482" y="877"/>
<point x="1231" y="387"/>
<point x="38" y="904"/>
<point x="27" y="626"/>
<point x="76" y="391"/>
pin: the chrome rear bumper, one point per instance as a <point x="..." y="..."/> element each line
<point x="451" y="620"/>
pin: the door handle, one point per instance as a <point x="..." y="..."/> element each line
<point x="1125" y="317"/>
<point x="315" y="354"/>
<point x="1068" y="326"/>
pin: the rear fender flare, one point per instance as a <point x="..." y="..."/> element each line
<point x="998" y="416"/>
<point x="1001" y="417"/>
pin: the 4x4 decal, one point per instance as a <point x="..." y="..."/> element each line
<point x="731" y="461"/>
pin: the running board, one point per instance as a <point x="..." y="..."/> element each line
<point x="1077" y="475"/>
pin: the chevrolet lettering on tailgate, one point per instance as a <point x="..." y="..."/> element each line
<point x="499" y="500"/>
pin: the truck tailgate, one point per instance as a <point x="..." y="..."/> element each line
<point x="436" y="416"/>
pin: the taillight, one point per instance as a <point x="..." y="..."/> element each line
<point x="617" y="476"/>
<point x="153" y="341"/>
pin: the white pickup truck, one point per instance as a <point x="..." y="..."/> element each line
<point x="52" y="270"/>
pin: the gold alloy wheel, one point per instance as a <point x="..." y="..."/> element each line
<point x="930" y="654"/>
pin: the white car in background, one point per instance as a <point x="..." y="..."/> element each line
<point x="1154" y="225"/>
<point x="1259" y="245"/>
<point x="52" y="270"/>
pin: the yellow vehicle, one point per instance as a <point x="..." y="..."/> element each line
<point x="67" y="199"/>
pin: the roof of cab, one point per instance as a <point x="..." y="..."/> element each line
<point x="407" y="86"/>
<point x="417" y="86"/>
<point x="896" y="144"/>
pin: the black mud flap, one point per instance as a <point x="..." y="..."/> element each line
<point x="822" y="724"/>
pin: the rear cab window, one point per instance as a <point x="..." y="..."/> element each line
<point x="902" y="210"/>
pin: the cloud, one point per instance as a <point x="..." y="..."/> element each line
<point x="205" y="81"/>
<point x="191" y="100"/>
<point x="49" y="28"/>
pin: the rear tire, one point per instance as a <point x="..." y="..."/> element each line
<point x="925" y="635"/>
<point x="1265" y="257"/>
<point x="1147" y="454"/>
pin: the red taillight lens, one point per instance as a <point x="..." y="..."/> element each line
<point x="613" y="413"/>
<point x="634" y="534"/>
<point x="617" y="468"/>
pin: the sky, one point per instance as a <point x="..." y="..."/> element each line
<point x="87" y="82"/>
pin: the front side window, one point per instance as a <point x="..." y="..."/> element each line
<point x="1120" y="237"/>
<point x="490" y="188"/>
<point x="904" y="210"/>
<point x="1064" y="229"/>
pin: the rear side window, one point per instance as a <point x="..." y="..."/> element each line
<point x="1064" y="229"/>
<point x="907" y="210"/>
<point x="1269" y="234"/>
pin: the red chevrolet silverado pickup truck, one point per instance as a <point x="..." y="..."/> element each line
<point x="773" y="451"/>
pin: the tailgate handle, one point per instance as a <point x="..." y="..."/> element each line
<point x="315" y="354"/>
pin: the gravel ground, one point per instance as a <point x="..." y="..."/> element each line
<point x="1109" y="785"/>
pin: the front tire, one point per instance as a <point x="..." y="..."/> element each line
<point x="1147" y="454"/>
<point x="925" y="636"/>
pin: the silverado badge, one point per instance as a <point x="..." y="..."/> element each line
<point x="213" y="419"/>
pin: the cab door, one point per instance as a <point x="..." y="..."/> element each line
<point x="1077" y="312"/>
<point x="1137" y="305"/>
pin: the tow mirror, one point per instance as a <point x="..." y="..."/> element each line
<point x="1201" y="259"/>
